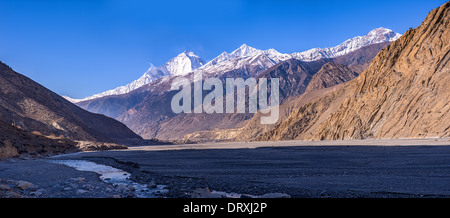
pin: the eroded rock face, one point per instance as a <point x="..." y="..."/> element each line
<point x="403" y="93"/>
<point x="303" y="122"/>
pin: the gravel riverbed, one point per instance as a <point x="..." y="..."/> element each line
<point x="242" y="170"/>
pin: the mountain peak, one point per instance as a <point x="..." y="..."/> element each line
<point x="188" y="53"/>
<point x="382" y="34"/>
<point x="245" y="51"/>
<point x="380" y="29"/>
<point x="184" y="63"/>
<point x="244" y="46"/>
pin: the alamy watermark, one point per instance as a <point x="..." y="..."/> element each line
<point x="214" y="100"/>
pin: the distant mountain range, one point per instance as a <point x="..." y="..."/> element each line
<point x="244" y="57"/>
<point x="146" y="110"/>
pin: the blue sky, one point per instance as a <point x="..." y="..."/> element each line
<point x="82" y="47"/>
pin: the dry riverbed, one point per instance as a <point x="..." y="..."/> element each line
<point x="371" y="168"/>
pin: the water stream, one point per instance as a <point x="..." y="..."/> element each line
<point x="114" y="176"/>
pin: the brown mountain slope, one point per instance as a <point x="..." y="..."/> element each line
<point x="329" y="75"/>
<point x="294" y="76"/>
<point x="303" y="122"/>
<point x="254" y="127"/>
<point x="28" y="106"/>
<point x="14" y="142"/>
<point x="403" y="93"/>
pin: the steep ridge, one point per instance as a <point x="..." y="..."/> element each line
<point x="403" y="93"/>
<point x="26" y="105"/>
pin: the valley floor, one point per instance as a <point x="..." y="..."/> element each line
<point x="342" y="169"/>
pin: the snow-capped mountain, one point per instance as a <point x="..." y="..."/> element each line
<point x="245" y="58"/>
<point x="180" y="65"/>
<point x="184" y="63"/>
<point x="375" y="36"/>
<point x="246" y="51"/>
